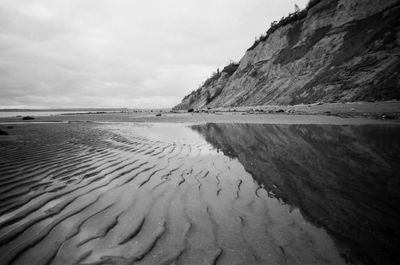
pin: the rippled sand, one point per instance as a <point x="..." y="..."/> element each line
<point x="143" y="194"/>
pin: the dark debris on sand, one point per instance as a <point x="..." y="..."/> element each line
<point x="3" y="132"/>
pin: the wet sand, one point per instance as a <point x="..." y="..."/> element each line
<point x="140" y="193"/>
<point x="342" y="178"/>
<point x="327" y="113"/>
<point x="196" y="118"/>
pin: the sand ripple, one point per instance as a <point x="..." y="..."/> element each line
<point x="130" y="194"/>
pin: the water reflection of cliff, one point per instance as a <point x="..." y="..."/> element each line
<point x="343" y="178"/>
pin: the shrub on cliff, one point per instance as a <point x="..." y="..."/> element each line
<point x="291" y="18"/>
<point x="230" y="68"/>
<point x="312" y="3"/>
<point x="214" y="77"/>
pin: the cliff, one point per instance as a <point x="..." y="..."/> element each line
<point x="333" y="51"/>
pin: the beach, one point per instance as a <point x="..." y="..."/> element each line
<point x="327" y="113"/>
<point x="200" y="132"/>
<point x="196" y="193"/>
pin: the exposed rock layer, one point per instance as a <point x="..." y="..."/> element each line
<point x="340" y="51"/>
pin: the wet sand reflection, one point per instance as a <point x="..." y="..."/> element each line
<point x="342" y="178"/>
<point x="203" y="194"/>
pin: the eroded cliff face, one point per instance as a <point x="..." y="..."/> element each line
<point x="340" y="51"/>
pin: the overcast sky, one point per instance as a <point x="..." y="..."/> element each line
<point x="122" y="53"/>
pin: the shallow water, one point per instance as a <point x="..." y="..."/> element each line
<point x="5" y="114"/>
<point x="44" y="113"/>
<point x="200" y="194"/>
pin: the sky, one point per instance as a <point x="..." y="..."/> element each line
<point x="122" y="53"/>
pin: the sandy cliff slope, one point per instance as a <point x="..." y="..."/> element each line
<point x="334" y="51"/>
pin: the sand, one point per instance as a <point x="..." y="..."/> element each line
<point x="172" y="193"/>
<point x="328" y="113"/>
<point x="142" y="194"/>
<point x="196" y="118"/>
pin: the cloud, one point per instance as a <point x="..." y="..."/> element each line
<point x="114" y="53"/>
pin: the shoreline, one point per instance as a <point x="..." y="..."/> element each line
<point x="202" y="118"/>
<point x="328" y="113"/>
